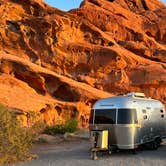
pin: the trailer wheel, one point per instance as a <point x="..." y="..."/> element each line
<point x="154" y="145"/>
<point x="134" y="151"/>
<point x="158" y="141"/>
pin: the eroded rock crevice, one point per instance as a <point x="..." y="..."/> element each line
<point x="62" y="62"/>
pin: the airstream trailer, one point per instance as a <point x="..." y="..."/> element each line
<point x="126" y="122"/>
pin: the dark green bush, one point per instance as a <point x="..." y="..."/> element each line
<point x="57" y="129"/>
<point x="70" y="126"/>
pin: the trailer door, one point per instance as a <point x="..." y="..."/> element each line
<point x="127" y="128"/>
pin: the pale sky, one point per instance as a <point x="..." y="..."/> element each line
<point x="67" y="5"/>
<point x="64" y="4"/>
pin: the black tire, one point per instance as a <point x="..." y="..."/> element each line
<point x="134" y="151"/>
<point x="154" y="145"/>
<point x="158" y="141"/>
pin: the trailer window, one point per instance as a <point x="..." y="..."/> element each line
<point x="161" y="111"/>
<point x="162" y="116"/>
<point x="91" y="116"/>
<point x="127" y="116"/>
<point x="105" y="116"/>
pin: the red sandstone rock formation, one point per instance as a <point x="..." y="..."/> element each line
<point x="58" y="63"/>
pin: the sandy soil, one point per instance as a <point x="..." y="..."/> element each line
<point x="76" y="153"/>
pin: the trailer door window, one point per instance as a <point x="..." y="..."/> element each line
<point x="127" y="116"/>
<point x="105" y="116"/>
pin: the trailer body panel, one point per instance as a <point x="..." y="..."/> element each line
<point x="131" y="120"/>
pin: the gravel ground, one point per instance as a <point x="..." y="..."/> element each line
<point x="76" y="153"/>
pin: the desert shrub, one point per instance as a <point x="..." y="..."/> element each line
<point x="41" y="141"/>
<point x="70" y="126"/>
<point x="37" y="128"/>
<point x="37" y="125"/>
<point x="57" y="129"/>
<point x="15" y="141"/>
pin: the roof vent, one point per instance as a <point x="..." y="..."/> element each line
<point x="136" y="94"/>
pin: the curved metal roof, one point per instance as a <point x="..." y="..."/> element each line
<point x="127" y="102"/>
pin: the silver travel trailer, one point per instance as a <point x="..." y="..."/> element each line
<point x="126" y="122"/>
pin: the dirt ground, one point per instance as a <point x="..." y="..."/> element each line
<point x="76" y="153"/>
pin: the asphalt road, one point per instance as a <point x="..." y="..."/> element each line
<point x="76" y="153"/>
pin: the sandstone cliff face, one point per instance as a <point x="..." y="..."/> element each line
<point x="59" y="63"/>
